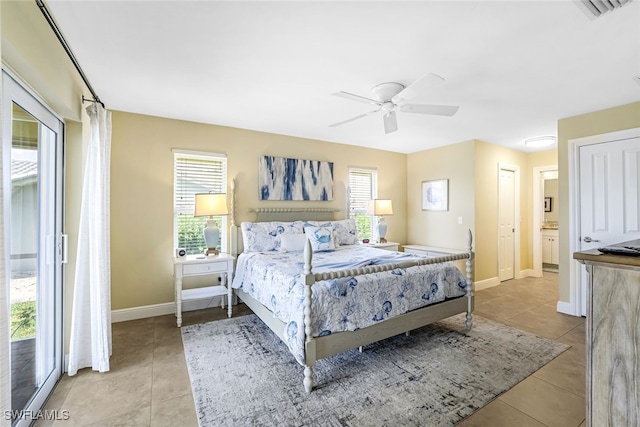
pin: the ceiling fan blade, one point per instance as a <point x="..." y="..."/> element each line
<point x="436" y="110"/>
<point x="354" y="118"/>
<point x="390" y="122"/>
<point x="418" y="87"/>
<point x="353" y="97"/>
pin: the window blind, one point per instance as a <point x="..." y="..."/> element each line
<point x="196" y="173"/>
<point x="362" y="188"/>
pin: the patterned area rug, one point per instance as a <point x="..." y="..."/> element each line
<point x="242" y="374"/>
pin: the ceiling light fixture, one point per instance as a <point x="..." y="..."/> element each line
<point x="540" y="141"/>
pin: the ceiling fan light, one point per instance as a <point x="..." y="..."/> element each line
<point x="540" y="141"/>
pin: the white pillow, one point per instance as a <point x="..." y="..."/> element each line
<point x="321" y="238"/>
<point x="292" y="242"/>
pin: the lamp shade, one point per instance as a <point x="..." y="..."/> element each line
<point x="211" y="204"/>
<point x="380" y="207"/>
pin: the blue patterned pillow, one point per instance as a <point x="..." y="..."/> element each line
<point x="345" y="231"/>
<point x="321" y="238"/>
<point x="265" y="236"/>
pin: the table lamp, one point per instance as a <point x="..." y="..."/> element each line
<point x="379" y="208"/>
<point x="211" y="204"/>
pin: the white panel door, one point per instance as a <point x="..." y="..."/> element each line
<point x="609" y="196"/>
<point x="506" y="221"/>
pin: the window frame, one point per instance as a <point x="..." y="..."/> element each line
<point x="373" y="194"/>
<point x="222" y="220"/>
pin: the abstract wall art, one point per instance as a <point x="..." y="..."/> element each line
<point x="282" y="178"/>
<point x="435" y="195"/>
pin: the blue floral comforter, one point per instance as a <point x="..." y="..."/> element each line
<point x="276" y="280"/>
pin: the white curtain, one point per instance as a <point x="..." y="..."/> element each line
<point x="90" y="342"/>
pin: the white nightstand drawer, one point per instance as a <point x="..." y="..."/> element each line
<point x="207" y="268"/>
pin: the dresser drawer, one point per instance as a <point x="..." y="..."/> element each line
<point x="205" y="268"/>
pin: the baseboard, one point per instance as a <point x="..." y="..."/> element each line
<point x="525" y="273"/>
<point x="143" y="312"/>
<point x="487" y="283"/>
<point x="566" y="308"/>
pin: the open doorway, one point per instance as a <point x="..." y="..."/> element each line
<point x="545" y="219"/>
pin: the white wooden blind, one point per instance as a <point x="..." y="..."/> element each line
<point x="362" y="188"/>
<point x="196" y="173"/>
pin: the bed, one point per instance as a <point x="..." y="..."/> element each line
<point x="325" y="302"/>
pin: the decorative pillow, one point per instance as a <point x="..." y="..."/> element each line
<point x="292" y="242"/>
<point x="345" y="231"/>
<point x="321" y="238"/>
<point x="317" y="224"/>
<point x="265" y="236"/>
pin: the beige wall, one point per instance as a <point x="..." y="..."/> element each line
<point x="441" y="228"/>
<point x="30" y="48"/>
<point x="594" y="123"/>
<point x="472" y="170"/>
<point x="142" y="191"/>
<point x="32" y="52"/>
<point x="551" y="191"/>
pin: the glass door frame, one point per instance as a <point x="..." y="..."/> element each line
<point x="15" y="92"/>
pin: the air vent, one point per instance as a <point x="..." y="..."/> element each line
<point x="596" y="8"/>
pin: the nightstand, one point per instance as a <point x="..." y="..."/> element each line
<point x="388" y="246"/>
<point x="199" y="265"/>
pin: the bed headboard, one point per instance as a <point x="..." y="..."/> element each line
<point x="272" y="214"/>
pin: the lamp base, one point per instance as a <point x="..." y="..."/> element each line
<point x="211" y="234"/>
<point x="382" y="230"/>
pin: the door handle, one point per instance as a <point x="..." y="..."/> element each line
<point x="589" y="240"/>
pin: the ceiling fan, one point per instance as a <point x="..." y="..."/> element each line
<point x="389" y="97"/>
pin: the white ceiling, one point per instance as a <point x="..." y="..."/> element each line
<point x="513" y="67"/>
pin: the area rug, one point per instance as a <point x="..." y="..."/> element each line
<point x="242" y="374"/>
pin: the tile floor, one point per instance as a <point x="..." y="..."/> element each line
<point x="149" y="384"/>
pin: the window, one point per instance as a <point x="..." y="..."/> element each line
<point x="363" y="186"/>
<point x="194" y="173"/>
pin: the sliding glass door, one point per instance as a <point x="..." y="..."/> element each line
<point x="33" y="177"/>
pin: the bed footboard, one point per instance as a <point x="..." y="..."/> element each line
<point x="321" y="347"/>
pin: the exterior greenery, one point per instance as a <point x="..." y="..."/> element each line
<point x="363" y="226"/>
<point x="190" y="234"/>
<point x="23" y="320"/>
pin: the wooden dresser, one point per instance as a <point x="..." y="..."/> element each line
<point x="613" y="338"/>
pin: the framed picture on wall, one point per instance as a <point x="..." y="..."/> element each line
<point x="435" y="195"/>
<point x="547" y="204"/>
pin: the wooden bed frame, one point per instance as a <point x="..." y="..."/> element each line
<point x="320" y="347"/>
